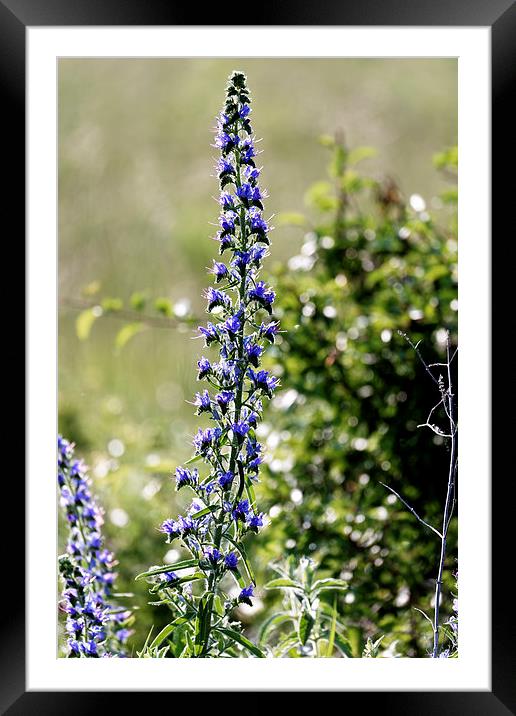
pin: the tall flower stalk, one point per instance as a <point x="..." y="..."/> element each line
<point x="224" y="510"/>
<point x="95" y="627"/>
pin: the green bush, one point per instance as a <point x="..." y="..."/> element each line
<point x="372" y="264"/>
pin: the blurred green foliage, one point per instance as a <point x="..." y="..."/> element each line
<point x="373" y="263"/>
<point x="134" y="239"/>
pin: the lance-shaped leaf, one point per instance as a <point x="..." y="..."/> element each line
<point x="244" y="641"/>
<point x="186" y="564"/>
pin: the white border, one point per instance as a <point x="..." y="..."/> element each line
<point x="472" y="669"/>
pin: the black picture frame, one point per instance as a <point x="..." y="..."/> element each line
<point x="500" y="16"/>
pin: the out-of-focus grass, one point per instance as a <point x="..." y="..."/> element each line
<point x="136" y="192"/>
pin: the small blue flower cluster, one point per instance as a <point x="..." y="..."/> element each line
<point x="240" y="325"/>
<point x="94" y="626"/>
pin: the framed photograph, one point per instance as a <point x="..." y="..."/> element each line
<point x="258" y="301"/>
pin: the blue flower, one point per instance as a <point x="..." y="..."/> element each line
<point x="206" y="439"/>
<point x="246" y="594"/>
<point x="263" y="295"/>
<point x="253" y="457"/>
<point x="250" y="173"/>
<point x="220" y="271"/>
<point x="244" y="111"/>
<point x="224" y="398"/>
<point x="245" y="192"/>
<point x="225" y="141"/>
<point x="227" y="222"/>
<point x="241" y="510"/>
<point x="204" y="367"/>
<point x="251" y="417"/>
<point x="186" y="524"/>
<point x="86" y="568"/>
<point x="89" y="648"/>
<point x="202" y="402"/>
<point x="257" y="224"/>
<point x="226" y="241"/>
<point x="225" y="167"/>
<point x="216" y="298"/>
<point x="170" y="528"/>
<point x="254" y="522"/>
<point x="240" y="429"/>
<point x="253" y="351"/>
<point x="209" y="332"/>
<point x="232" y="325"/>
<point x="212" y="554"/>
<point x="123" y="634"/>
<point x="241" y="261"/>
<point x="226" y="201"/>
<point x="269" y="330"/>
<point x="247" y="151"/>
<point x="257" y="254"/>
<point x="263" y="380"/>
<point x="226" y="478"/>
<point x="231" y="560"/>
<point x="186" y="477"/>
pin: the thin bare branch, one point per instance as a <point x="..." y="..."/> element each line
<point x="416" y="349"/>
<point x="128" y="315"/>
<point x="435" y="429"/>
<point x="412" y="510"/>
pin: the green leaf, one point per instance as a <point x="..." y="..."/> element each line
<point x="164" y="306"/>
<point x="450" y="196"/>
<point x="195" y="458"/>
<point x="160" y="587"/>
<point x="271" y="623"/>
<point x="241" y="549"/>
<point x="320" y="196"/>
<point x="306" y="624"/>
<point x="203" y="622"/>
<point x="286" y="645"/>
<point x="191" y="578"/>
<point x="291" y="218"/>
<point x="322" y="585"/>
<point x="333" y="630"/>
<point x="138" y="300"/>
<point x="166" y="631"/>
<point x="85" y="321"/>
<point x="218" y="606"/>
<point x="241" y="639"/>
<point x="250" y="493"/>
<point x="91" y="288"/>
<point x="448" y="159"/>
<point x="126" y="333"/>
<point x="283" y="583"/>
<point x="167" y="568"/>
<point x="111" y="305"/>
<point x="205" y="511"/>
<point x="326" y="140"/>
<point x="235" y="573"/>
<point x="343" y="645"/>
<point x="359" y="154"/>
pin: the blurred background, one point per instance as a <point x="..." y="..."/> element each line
<point x="136" y="215"/>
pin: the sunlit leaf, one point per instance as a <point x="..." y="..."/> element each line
<point x="85" y="321"/>
<point x="126" y="333"/>
<point x="241" y="639"/>
<point x="283" y="583"/>
<point x="187" y="563"/>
